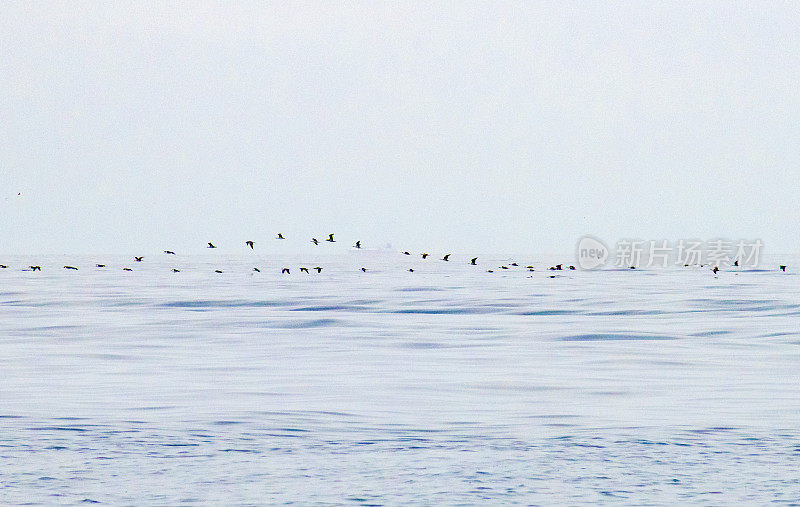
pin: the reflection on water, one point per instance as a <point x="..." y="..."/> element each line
<point x="446" y="385"/>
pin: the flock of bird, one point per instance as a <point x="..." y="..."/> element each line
<point x="330" y="239"/>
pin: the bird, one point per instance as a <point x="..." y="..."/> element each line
<point x="407" y="253"/>
<point x="319" y="269"/>
<point x="358" y="244"/>
<point x="169" y="252"/>
<point x="127" y="269"/>
<point x="411" y="269"/>
<point x="782" y="268"/>
<point x="217" y="271"/>
<point x="100" y="265"/>
<point x="211" y="245"/>
<point x="446" y="257"/>
<point x="503" y="267"/>
<point x="330" y="239"/>
<point x="71" y="267"/>
<point x="425" y="256"/>
<point x="514" y="264"/>
<point x="280" y="236"/>
<point x="474" y="261"/>
<point x="257" y="270"/>
<point x="558" y="267"/>
<point x="736" y="262"/>
<point x="176" y="270"/>
<point x="250" y="244"/>
<point x="315" y="241"/>
<point x="3" y="266"/>
<point x="633" y="267"/>
<point x="285" y="270"/>
<point x="572" y="267"/>
<point x="138" y="259"/>
<point x="529" y="266"/>
<point x="304" y="270"/>
<point x="489" y="271"/>
<point x="363" y="270"/>
<point x="715" y="269"/>
<point x="35" y="268"/>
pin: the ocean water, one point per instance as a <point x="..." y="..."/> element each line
<point x="448" y="385"/>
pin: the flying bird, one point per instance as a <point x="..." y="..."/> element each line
<point x="280" y="236"/>
<point x="358" y="244"/>
<point x="3" y="266"/>
<point x="446" y="257"/>
<point x="285" y="270"/>
<point x="425" y="256"/>
<point x="138" y="259"/>
<point x="71" y="267"/>
<point x="363" y="270"/>
<point x="36" y="268"/>
<point x="211" y="245"/>
<point x="250" y="244"/>
<point x="127" y="269"/>
<point x="406" y="253"/>
<point x="176" y="270"/>
<point x="715" y="270"/>
<point x="782" y="268"/>
<point x="315" y="241"/>
<point x="100" y="265"/>
<point x="304" y="270"/>
<point x="217" y="271"/>
<point x="257" y="270"/>
<point x="474" y="261"/>
<point x="169" y="252"/>
<point x="319" y="269"/>
<point x="330" y="238"/>
<point x="411" y="269"/>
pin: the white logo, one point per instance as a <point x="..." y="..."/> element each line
<point x="592" y="253"/>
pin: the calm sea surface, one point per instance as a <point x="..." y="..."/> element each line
<point x="448" y="385"/>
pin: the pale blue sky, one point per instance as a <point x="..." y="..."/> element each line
<point x="459" y="126"/>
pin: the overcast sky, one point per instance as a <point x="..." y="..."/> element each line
<point x="459" y="126"/>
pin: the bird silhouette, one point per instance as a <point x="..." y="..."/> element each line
<point x="474" y="261"/>
<point x="782" y="268"/>
<point x="330" y="239"/>
<point x="715" y="270"/>
<point x="138" y="259"/>
<point x="250" y="244"/>
<point x="425" y="256"/>
<point x="3" y="266"/>
<point x="169" y="252"/>
<point x="211" y="245"/>
<point x="319" y="269"/>
<point x="358" y="244"/>
<point x="411" y="269"/>
<point x="363" y="270"/>
<point x="315" y="241"/>
<point x="285" y="270"/>
<point x="736" y="262"/>
<point x="176" y="270"/>
<point x="446" y="257"/>
<point x="406" y="253"/>
<point x="304" y="270"/>
<point x="100" y="265"/>
<point x="127" y="269"/>
<point x="217" y="271"/>
<point x="71" y="267"/>
<point x="257" y="270"/>
<point x="280" y="236"/>
<point x="36" y="268"/>
<point x="514" y="264"/>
